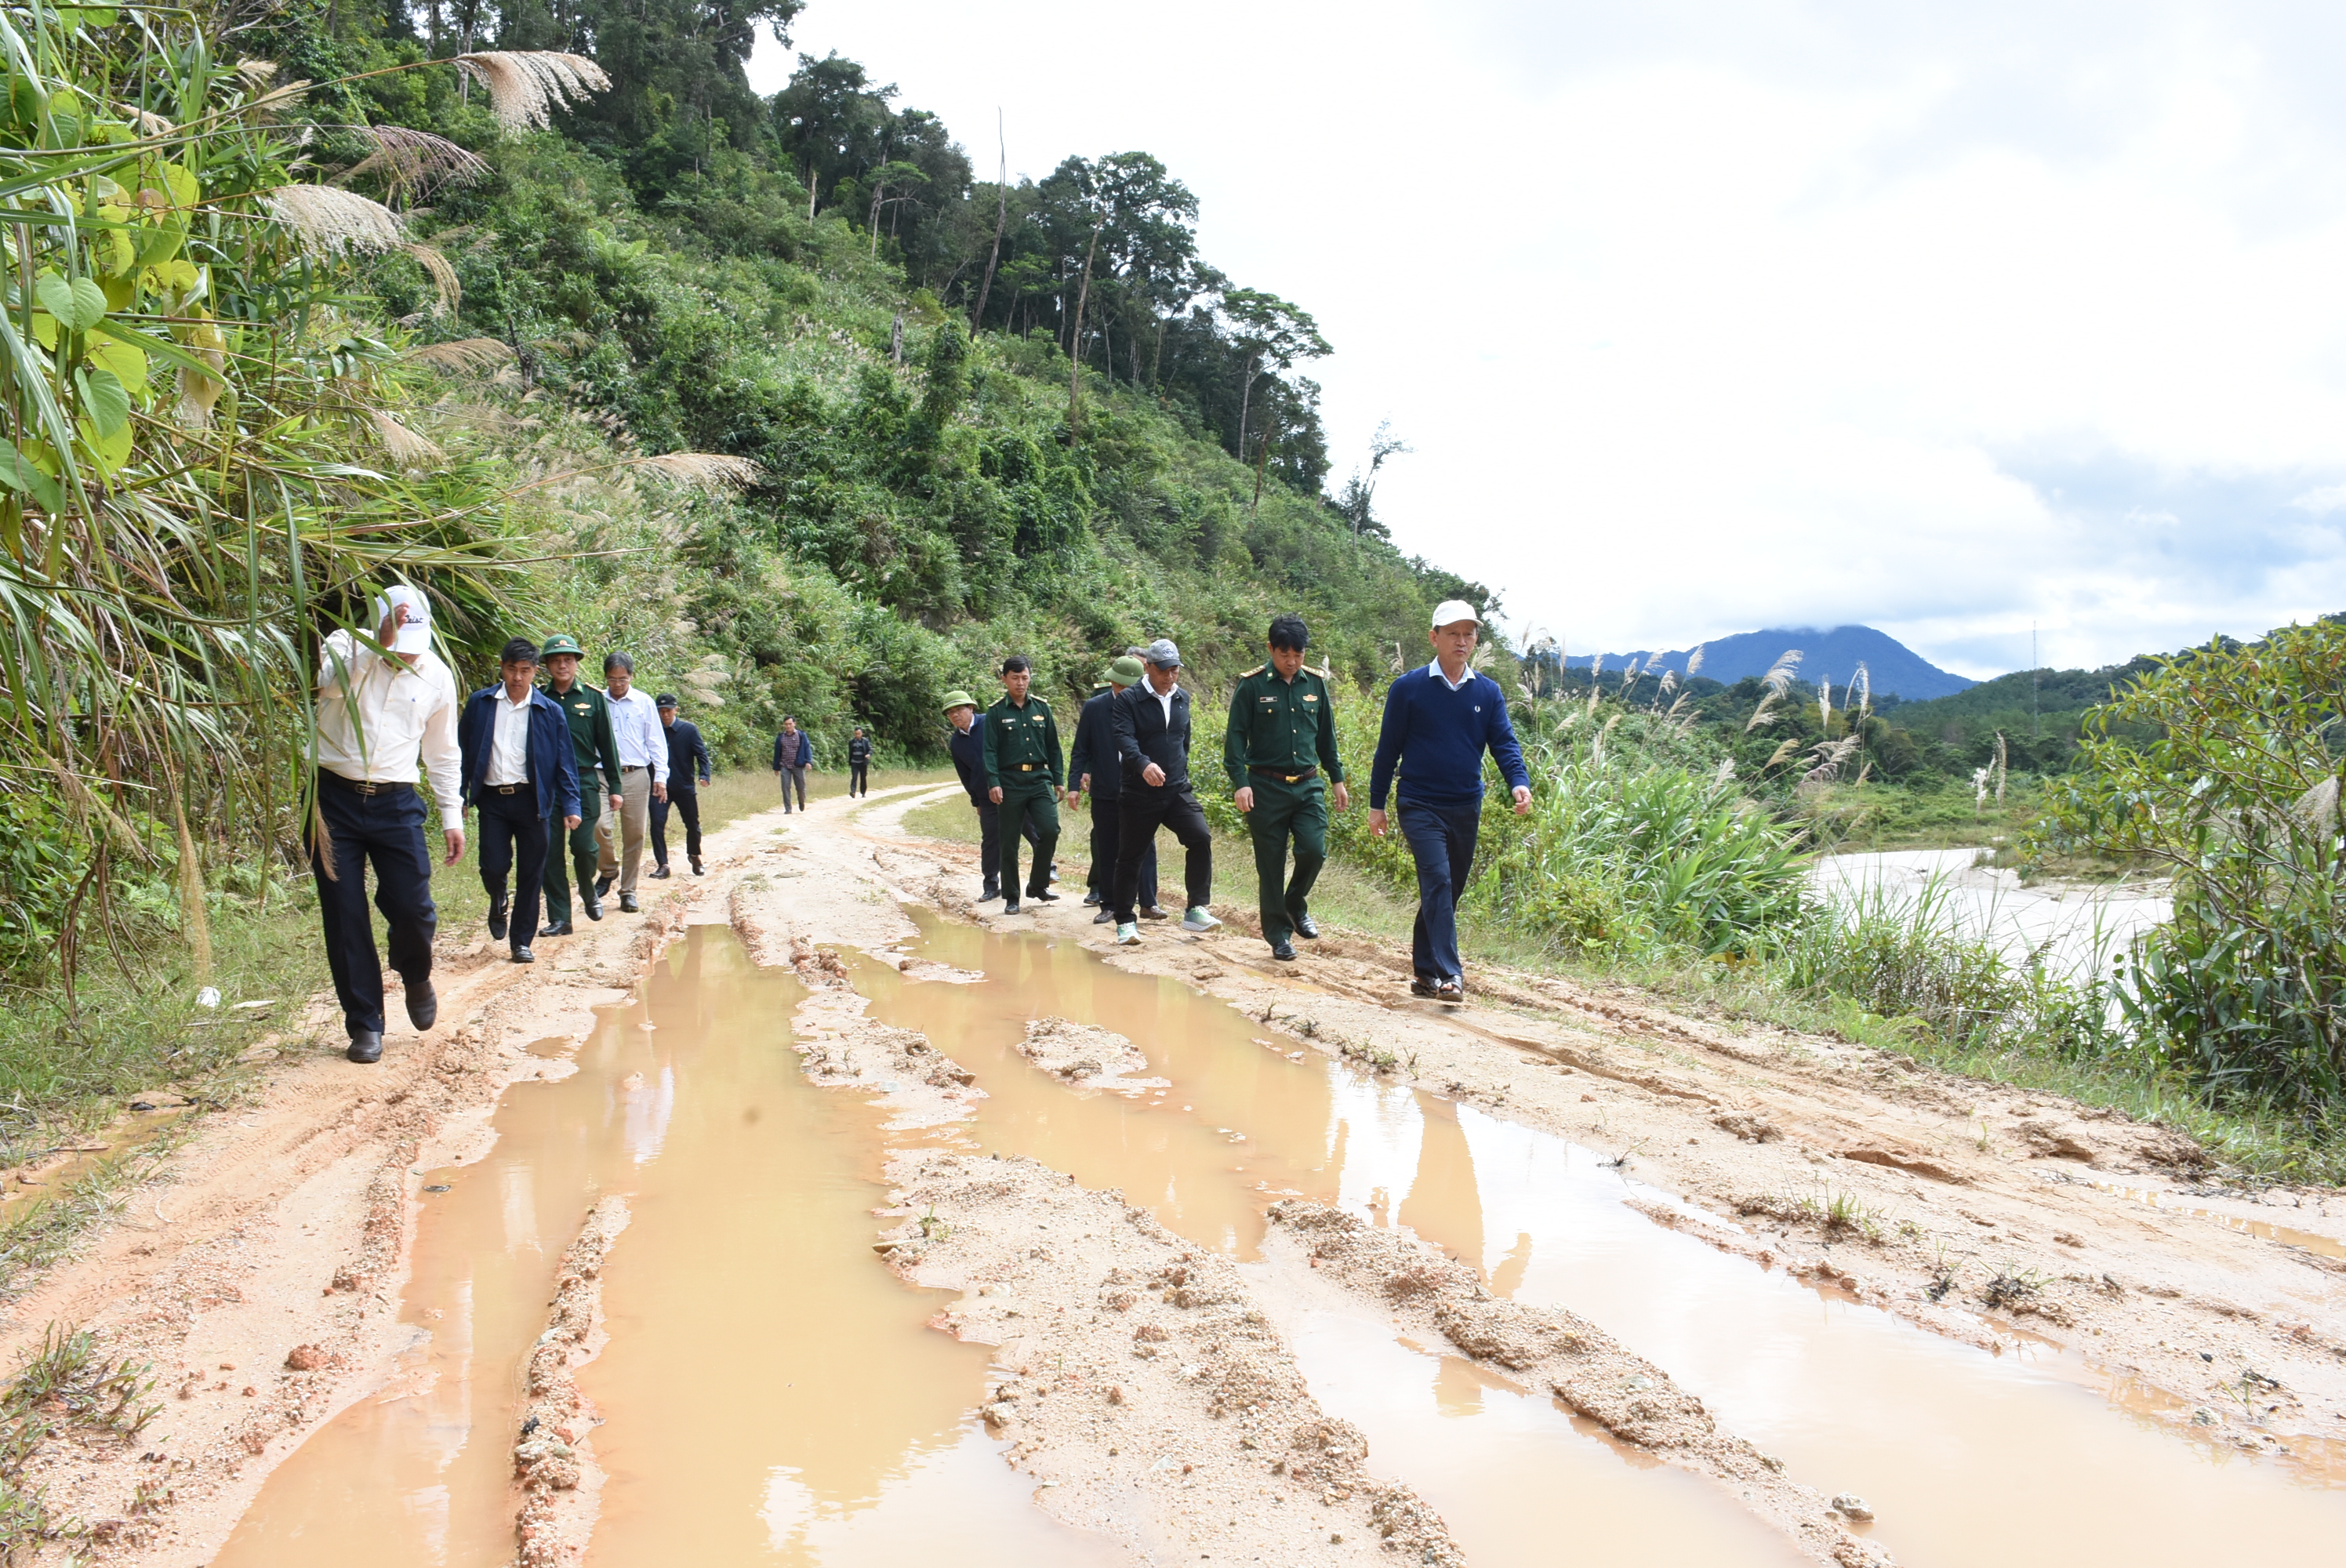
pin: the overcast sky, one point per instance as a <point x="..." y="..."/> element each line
<point x="1705" y="315"/>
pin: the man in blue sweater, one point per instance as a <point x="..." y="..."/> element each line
<point x="1438" y="722"/>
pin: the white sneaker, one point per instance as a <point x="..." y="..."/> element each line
<point x="1128" y="934"/>
<point x="1195" y="917"/>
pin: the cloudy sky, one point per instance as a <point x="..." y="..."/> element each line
<point x="1704" y="316"/>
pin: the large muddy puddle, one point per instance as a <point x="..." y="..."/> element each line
<point x="770" y="1391"/>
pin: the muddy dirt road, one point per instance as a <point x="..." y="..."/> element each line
<point x="817" y="1216"/>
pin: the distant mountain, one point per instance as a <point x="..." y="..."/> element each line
<point x="1890" y="664"/>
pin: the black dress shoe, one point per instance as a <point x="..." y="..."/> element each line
<point x="627" y="903"/>
<point x="1106" y="917"/>
<point x="659" y="872"/>
<point x="989" y="895"/>
<point x="366" y="1045"/>
<point x="1010" y="907"/>
<point x="1283" y="950"/>
<point x="603" y="885"/>
<point x="498" y="908"/>
<point x="591" y="904"/>
<point x="556" y="928"/>
<point x="422" y="1004"/>
<point x="1307" y="928"/>
<point x="523" y="956"/>
<point x="1045" y="896"/>
<point x="697" y="870"/>
<point x="1091" y="898"/>
<point x="1152" y="911"/>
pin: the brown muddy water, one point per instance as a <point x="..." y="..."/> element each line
<point x="2032" y="1457"/>
<point x="771" y="1393"/>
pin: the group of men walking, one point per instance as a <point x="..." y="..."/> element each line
<point x="530" y="759"/>
<point x="1131" y="755"/>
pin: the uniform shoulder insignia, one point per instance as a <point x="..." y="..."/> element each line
<point x="1324" y="672"/>
<point x="1255" y="671"/>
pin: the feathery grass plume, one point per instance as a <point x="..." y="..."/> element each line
<point x="1785" y="750"/>
<point x="1694" y="661"/>
<point x="1726" y="773"/>
<point x="255" y="75"/>
<point x="1864" y="770"/>
<point x="333" y="220"/>
<point x="198" y="391"/>
<point x="471" y="355"/>
<point x="1863" y="688"/>
<point x="1980" y="777"/>
<point x="402" y="442"/>
<point x="1825" y="703"/>
<point x="149" y="122"/>
<point x="443" y="277"/>
<point x="1595" y="668"/>
<point x="1778" y="678"/>
<point x="1628" y="678"/>
<point x="277" y="100"/>
<point x="526" y="85"/>
<point x="707" y="470"/>
<point x="1761" y="714"/>
<point x="412" y="163"/>
<point x="1830" y="755"/>
<point x="1999" y="768"/>
<point x="2319" y="805"/>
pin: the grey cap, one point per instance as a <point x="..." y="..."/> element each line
<point x="1164" y="654"/>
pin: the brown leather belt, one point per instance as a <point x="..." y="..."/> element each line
<point x="1287" y="777"/>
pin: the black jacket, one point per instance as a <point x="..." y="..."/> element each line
<point x="687" y="756"/>
<point x="1094" y="751"/>
<point x="969" y="759"/>
<point x="1142" y="734"/>
<point x="859" y="750"/>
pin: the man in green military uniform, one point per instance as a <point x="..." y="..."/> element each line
<point x="1280" y="750"/>
<point x="1023" y="776"/>
<point x="591" y="740"/>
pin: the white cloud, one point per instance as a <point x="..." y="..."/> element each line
<point x="1703" y="316"/>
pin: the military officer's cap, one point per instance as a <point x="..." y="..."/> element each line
<point x="560" y="643"/>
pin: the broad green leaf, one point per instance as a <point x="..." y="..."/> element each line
<point x="24" y="100"/>
<point x="22" y="474"/>
<point x="160" y="242"/>
<point x="128" y="361"/>
<point x="121" y="292"/>
<point x="105" y="398"/>
<point x="186" y="188"/>
<point x="56" y="294"/>
<point x="89" y="305"/>
<point x="117" y="253"/>
<point x="44" y="329"/>
<point x="109" y="451"/>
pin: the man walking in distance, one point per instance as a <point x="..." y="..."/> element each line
<point x="520" y="774"/>
<point x="1151" y="723"/>
<point x="382" y="707"/>
<point x="596" y="755"/>
<point x="1023" y="777"/>
<point x="642" y="778"/>
<point x="793" y="755"/>
<point x="1280" y="746"/>
<point x="1094" y="767"/>
<point x="966" y="745"/>
<point x="1438" y="722"/>
<point x="859" y="764"/>
<point x="687" y="760"/>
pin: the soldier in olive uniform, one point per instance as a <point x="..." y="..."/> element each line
<point x="1023" y="776"/>
<point x="1280" y="746"/>
<point x="591" y="740"/>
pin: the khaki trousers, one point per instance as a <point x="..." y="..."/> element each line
<point x="631" y="824"/>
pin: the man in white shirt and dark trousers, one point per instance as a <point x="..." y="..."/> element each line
<point x="642" y="778"/>
<point x="382" y="707"/>
<point x="520" y="772"/>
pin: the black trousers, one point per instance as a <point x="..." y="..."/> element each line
<point x="1139" y="813"/>
<point x="989" y="837"/>
<point x="687" y="805"/>
<point x="859" y="779"/>
<point x="384" y="830"/>
<point x="1106" y="838"/>
<point x="513" y="840"/>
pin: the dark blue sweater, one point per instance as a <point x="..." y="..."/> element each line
<point x="1439" y="736"/>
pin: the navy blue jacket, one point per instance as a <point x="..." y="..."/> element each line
<point x="685" y="747"/>
<point x="1437" y="738"/>
<point x="969" y="759"/>
<point x="800" y="756"/>
<point x="1094" y="751"/>
<point x="1143" y="735"/>
<point x="553" y="761"/>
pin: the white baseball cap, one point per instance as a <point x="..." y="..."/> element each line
<point x="414" y="635"/>
<point x="1449" y="612"/>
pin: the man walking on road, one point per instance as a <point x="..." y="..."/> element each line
<point x="1023" y="776"/>
<point x="793" y="755"/>
<point x="1280" y="746"/>
<point x="597" y="757"/>
<point x="859" y="764"/>
<point x="1093" y="766"/>
<point x="966" y="745"/>
<point x="1438" y="723"/>
<point x="687" y="760"/>
<point x="1151" y="724"/>
<point x="642" y="778"/>
<point x="383" y="707"/>
<point x="520" y="774"/>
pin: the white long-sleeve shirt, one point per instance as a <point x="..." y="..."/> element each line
<point x="636" y="726"/>
<point x="377" y="718"/>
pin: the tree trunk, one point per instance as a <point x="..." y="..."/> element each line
<point x="1246" y="394"/>
<point x="1001" y="222"/>
<point x="1262" y="460"/>
<point x="1075" y="360"/>
<point x="896" y="337"/>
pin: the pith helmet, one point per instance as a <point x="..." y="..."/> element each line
<point x="561" y="642"/>
<point x="957" y="698"/>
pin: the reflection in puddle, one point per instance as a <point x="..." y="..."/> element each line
<point x="1923" y="1428"/>
<point x="2179" y="1203"/>
<point x="771" y="1393"/>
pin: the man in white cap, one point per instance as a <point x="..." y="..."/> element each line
<point x="1439" y="721"/>
<point x="385" y="703"/>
